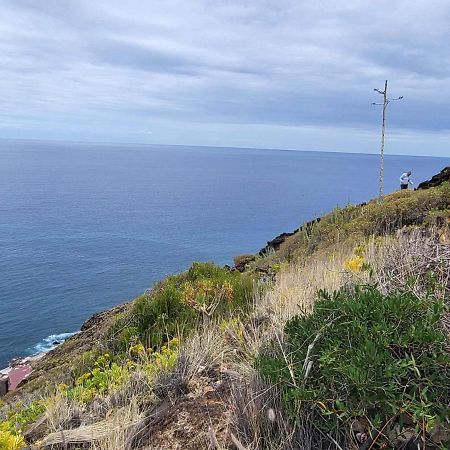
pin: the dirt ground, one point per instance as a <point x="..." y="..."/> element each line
<point x="197" y="420"/>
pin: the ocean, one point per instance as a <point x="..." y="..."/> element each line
<point x="84" y="227"/>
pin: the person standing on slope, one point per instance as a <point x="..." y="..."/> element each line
<point x="405" y="180"/>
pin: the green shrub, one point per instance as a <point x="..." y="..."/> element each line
<point x="105" y="375"/>
<point x="176" y="305"/>
<point x="362" y="354"/>
<point x="17" y="420"/>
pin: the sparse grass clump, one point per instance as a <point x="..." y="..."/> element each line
<point x="361" y="354"/>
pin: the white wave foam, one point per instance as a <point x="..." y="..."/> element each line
<point x="49" y="343"/>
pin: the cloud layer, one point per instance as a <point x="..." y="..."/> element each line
<point x="264" y="73"/>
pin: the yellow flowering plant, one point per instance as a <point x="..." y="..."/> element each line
<point x="11" y="429"/>
<point x="103" y="377"/>
<point x="355" y="264"/>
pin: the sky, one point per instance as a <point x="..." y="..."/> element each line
<point x="245" y="73"/>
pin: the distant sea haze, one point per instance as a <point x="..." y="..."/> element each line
<point x="84" y="227"/>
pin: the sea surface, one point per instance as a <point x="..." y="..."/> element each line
<point x="84" y="227"/>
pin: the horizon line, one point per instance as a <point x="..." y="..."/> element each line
<point x="148" y="144"/>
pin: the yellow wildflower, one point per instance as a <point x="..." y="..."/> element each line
<point x="354" y="264"/>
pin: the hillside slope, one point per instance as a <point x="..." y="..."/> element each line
<point x="334" y="336"/>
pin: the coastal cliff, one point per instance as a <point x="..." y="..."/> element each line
<point x="245" y="357"/>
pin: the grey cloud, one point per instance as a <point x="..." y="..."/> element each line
<point x="115" y="52"/>
<point x="276" y="63"/>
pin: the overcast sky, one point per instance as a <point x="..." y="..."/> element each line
<point x="249" y="73"/>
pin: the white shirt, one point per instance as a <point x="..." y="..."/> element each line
<point x="404" y="179"/>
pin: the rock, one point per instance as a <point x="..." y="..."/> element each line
<point x="241" y="262"/>
<point x="275" y="243"/>
<point x="436" y="180"/>
<point x="4" y="385"/>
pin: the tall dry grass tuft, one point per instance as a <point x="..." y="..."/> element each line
<point x="206" y="350"/>
<point x="413" y="259"/>
<point x="202" y="353"/>
<point x="120" y="424"/>
<point x="294" y="292"/>
<point x="62" y="413"/>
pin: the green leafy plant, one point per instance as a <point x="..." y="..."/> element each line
<point x="106" y="375"/>
<point x="163" y="360"/>
<point x="363" y="354"/>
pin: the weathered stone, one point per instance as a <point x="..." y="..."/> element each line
<point x="275" y="243"/>
<point x="4" y="385"/>
<point x="436" y="180"/>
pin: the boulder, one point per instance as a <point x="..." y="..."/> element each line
<point x="436" y="180"/>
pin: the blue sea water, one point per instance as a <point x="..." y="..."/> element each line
<point x="84" y="227"/>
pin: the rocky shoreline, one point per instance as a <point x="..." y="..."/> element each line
<point x="35" y="371"/>
<point x="19" y="369"/>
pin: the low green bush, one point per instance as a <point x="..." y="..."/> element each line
<point x="105" y="375"/>
<point x="361" y="354"/>
<point x="177" y="304"/>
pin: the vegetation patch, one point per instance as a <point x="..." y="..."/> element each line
<point x="241" y="261"/>
<point x="16" y="421"/>
<point x="179" y="303"/>
<point x="362" y="355"/>
<point x="355" y="223"/>
<point x="106" y="375"/>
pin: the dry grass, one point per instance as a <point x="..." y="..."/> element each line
<point x="120" y="423"/>
<point x="108" y="434"/>
<point x="61" y="413"/>
<point x="413" y="259"/>
<point x="294" y="292"/>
